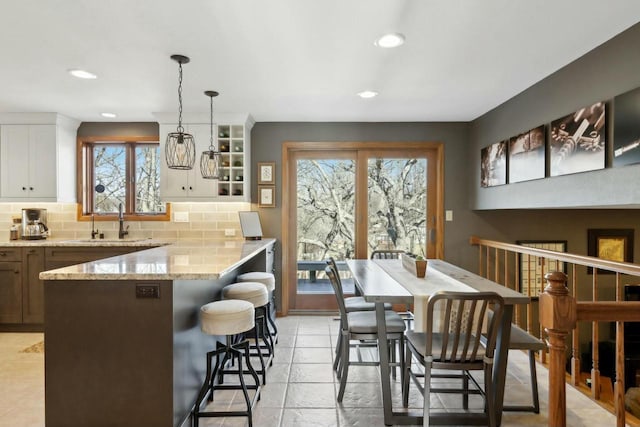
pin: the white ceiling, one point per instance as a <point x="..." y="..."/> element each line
<point x="292" y="60"/>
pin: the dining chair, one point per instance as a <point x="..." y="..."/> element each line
<point x="387" y="253"/>
<point x="351" y="304"/>
<point x="457" y="324"/>
<point x="362" y="325"/>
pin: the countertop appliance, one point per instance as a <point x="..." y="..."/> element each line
<point x="34" y="224"/>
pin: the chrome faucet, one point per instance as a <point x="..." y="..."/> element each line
<point x="121" y="231"/>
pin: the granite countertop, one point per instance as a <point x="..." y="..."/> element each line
<point x="179" y="259"/>
<point x="84" y="242"/>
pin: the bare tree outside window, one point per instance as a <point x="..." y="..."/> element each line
<point x="122" y="172"/>
<point x="397" y="204"/>
<point x="109" y="162"/>
<point x="326" y="204"/>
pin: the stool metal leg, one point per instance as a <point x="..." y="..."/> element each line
<point x="270" y="319"/>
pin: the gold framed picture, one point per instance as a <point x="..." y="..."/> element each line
<point x="614" y="244"/>
<point x="267" y="196"/>
<point x="266" y="173"/>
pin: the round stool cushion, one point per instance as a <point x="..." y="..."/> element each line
<point x="267" y="279"/>
<point x="254" y="292"/>
<point x="227" y="317"/>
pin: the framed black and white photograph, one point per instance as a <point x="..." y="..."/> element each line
<point x="531" y="269"/>
<point x="493" y="164"/>
<point x="626" y="128"/>
<point x="267" y="196"/>
<point x="527" y="155"/>
<point x="577" y="141"/>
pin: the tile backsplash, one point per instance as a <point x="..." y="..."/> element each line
<point x="205" y="221"/>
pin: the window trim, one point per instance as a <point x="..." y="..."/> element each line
<point x="83" y="158"/>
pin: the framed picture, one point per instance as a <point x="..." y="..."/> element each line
<point x="530" y="267"/>
<point x="267" y="196"/>
<point x="266" y="173"/>
<point x="526" y="155"/>
<point x="614" y="244"/>
<point x="626" y="128"/>
<point x="493" y="164"/>
<point x="577" y="142"/>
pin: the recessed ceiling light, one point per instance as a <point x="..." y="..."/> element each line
<point x="82" y="74"/>
<point x="367" y="94"/>
<point x="108" y="115"/>
<point x="390" y="40"/>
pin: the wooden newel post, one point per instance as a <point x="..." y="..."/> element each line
<point x="558" y="318"/>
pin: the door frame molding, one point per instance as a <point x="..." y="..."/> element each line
<point x="288" y="208"/>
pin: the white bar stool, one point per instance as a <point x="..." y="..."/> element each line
<point x="269" y="280"/>
<point x="228" y="318"/>
<point x="255" y="293"/>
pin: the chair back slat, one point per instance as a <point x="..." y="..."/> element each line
<point x="387" y="253"/>
<point x="461" y="329"/>
<point x="334" y="278"/>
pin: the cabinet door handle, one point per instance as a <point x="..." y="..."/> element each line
<point x="190" y="188"/>
<point x="16" y="271"/>
<point x="3" y="254"/>
<point x="183" y="187"/>
<point x="31" y="188"/>
<point x="31" y="251"/>
<point x="24" y="188"/>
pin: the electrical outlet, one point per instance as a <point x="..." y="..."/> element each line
<point x="181" y="216"/>
<point x="229" y="232"/>
<point x="448" y="215"/>
<point x="147" y="291"/>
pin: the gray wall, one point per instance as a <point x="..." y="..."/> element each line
<point x="607" y="71"/>
<point x="266" y="145"/>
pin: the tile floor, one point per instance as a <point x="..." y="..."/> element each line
<point x="301" y="386"/>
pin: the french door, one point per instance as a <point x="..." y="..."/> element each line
<point x="347" y="199"/>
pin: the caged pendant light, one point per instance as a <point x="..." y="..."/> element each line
<point x="180" y="149"/>
<point x="210" y="159"/>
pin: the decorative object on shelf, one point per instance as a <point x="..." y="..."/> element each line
<point x="237" y="148"/>
<point x="225" y="178"/>
<point x="223" y="192"/>
<point x="210" y="159"/>
<point x="531" y="270"/>
<point x="266" y="173"/>
<point x="577" y="141"/>
<point x="239" y="177"/>
<point x="180" y="149"/>
<point x="267" y="196"/>
<point x="614" y="244"/>
<point x="237" y="163"/>
<point x="493" y="164"/>
<point x="237" y="192"/>
<point x="416" y="265"/>
<point x="224" y="147"/>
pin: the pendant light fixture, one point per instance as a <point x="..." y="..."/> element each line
<point x="180" y="149"/>
<point x="210" y="159"/>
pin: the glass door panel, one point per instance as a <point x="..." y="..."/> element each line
<point x="325" y="223"/>
<point x="397" y="204"/>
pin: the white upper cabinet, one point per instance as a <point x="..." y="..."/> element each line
<point x="37" y="161"/>
<point x="231" y="137"/>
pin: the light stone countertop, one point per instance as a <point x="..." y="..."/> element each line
<point x="83" y="242"/>
<point x="178" y="260"/>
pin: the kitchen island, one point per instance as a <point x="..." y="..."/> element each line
<point x="122" y="336"/>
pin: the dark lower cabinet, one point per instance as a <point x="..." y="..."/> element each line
<point x="32" y="286"/>
<point x="10" y="292"/>
<point x="22" y="291"/>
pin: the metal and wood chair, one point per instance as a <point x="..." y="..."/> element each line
<point x="361" y="325"/>
<point x="456" y="326"/>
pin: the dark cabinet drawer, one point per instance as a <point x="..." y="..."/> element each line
<point x="10" y="254"/>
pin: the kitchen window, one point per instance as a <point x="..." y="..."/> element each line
<point x="115" y="171"/>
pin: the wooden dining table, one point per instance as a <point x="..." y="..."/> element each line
<point x="386" y="281"/>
